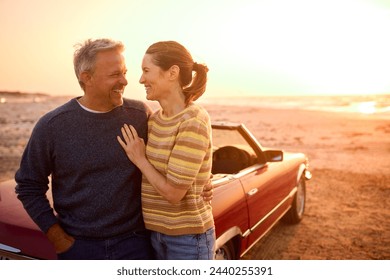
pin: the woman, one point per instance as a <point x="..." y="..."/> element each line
<point x="177" y="163"/>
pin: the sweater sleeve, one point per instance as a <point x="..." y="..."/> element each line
<point x="32" y="177"/>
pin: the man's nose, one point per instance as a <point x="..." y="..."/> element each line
<point x="124" y="80"/>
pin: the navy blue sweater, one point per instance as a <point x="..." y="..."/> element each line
<point x="96" y="189"/>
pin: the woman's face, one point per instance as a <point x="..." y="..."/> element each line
<point x="155" y="80"/>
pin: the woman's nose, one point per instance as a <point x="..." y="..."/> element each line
<point x="141" y="79"/>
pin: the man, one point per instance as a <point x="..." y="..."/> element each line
<point x="96" y="189"/>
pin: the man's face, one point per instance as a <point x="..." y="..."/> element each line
<point x="108" y="80"/>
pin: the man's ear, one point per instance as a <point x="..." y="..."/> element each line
<point x="85" y="77"/>
<point x="174" y="72"/>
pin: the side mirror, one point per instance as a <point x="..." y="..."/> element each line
<point x="273" y="155"/>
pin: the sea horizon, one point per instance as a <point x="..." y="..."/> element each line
<point x="376" y="105"/>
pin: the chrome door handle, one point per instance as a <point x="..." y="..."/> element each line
<point x="253" y="191"/>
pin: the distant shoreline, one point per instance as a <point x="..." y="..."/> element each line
<point x="21" y="94"/>
<point x="362" y="106"/>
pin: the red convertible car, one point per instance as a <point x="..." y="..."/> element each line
<point x="254" y="188"/>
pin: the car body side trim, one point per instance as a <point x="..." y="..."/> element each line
<point x="13" y="256"/>
<point x="250" y="169"/>
<point x="261" y="236"/>
<point x="291" y="194"/>
<point x="9" y="248"/>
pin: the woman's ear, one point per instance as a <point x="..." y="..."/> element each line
<point x="174" y="72"/>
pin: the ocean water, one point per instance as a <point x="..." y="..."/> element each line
<point x="373" y="105"/>
<point x="368" y="105"/>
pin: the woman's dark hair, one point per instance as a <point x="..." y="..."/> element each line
<point x="165" y="54"/>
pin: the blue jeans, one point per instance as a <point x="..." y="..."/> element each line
<point x="134" y="246"/>
<point x="184" y="247"/>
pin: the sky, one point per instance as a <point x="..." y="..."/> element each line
<point x="252" y="47"/>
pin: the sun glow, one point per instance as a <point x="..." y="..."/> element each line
<point x="331" y="49"/>
<point x="367" y="107"/>
<point x="252" y="47"/>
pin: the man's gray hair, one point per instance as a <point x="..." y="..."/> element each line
<point x="85" y="54"/>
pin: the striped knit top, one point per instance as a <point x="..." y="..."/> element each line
<point x="180" y="148"/>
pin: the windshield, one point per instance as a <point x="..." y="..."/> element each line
<point x="231" y="152"/>
<point x="230" y="137"/>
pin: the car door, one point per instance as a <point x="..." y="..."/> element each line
<point x="264" y="191"/>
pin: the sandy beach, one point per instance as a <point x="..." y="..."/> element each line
<point x="348" y="199"/>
